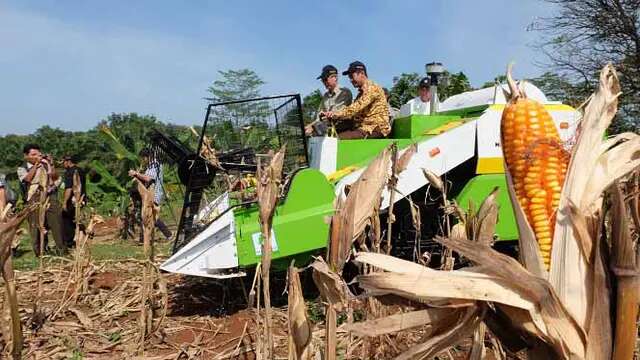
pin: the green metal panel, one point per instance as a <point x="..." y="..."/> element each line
<point x="473" y="111"/>
<point x="477" y="190"/>
<point x="298" y="224"/>
<point x="361" y="152"/>
<point x="416" y="125"/>
<point x="406" y="131"/>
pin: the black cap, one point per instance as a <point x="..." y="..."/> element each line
<point x="327" y="71"/>
<point x="424" y="83"/>
<point x="356" y="65"/>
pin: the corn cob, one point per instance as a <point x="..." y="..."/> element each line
<point x="537" y="163"/>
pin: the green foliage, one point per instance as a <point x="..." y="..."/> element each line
<point x="405" y="88"/>
<point x="560" y="88"/>
<point x="106" y="152"/>
<point x="457" y="84"/>
<point x="310" y="104"/>
<point x="236" y="84"/>
<point x="500" y="79"/>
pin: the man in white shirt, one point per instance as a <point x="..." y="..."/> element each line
<point x="421" y="104"/>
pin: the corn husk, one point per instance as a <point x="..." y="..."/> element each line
<point x="332" y="287"/>
<point x="467" y="320"/>
<point x="353" y="213"/>
<point x="399" y="164"/>
<point x="569" y="269"/>
<point x="268" y="191"/>
<point x="626" y="267"/>
<point x="300" y="331"/>
<point x="12" y="329"/>
<point x="399" y="322"/>
<point x="434" y="180"/>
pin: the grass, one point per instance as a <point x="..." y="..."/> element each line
<point x="115" y="249"/>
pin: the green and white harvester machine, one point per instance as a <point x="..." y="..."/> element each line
<point x="459" y="140"/>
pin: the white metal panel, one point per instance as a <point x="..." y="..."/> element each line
<point x="490" y="95"/>
<point x="454" y="147"/>
<point x="212" y="253"/>
<point x="489" y="134"/>
<point x="323" y="154"/>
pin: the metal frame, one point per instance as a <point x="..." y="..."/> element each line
<point x="293" y="97"/>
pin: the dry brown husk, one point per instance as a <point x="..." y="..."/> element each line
<point x="300" y="330"/>
<point x="569" y="272"/>
<point x="149" y="273"/>
<point x="354" y="213"/>
<point x="268" y="191"/>
<point x="500" y="280"/>
<point x="399" y="322"/>
<point x="626" y="268"/>
<point x="399" y="164"/>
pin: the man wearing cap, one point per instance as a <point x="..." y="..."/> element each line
<point x="335" y="98"/>
<point x="369" y="113"/>
<point x="69" y="202"/>
<point x="421" y="104"/>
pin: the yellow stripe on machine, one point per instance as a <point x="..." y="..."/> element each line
<point x="490" y="165"/>
<point x="446" y="127"/>
<point x="340" y="173"/>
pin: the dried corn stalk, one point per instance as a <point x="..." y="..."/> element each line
<point x="398" y="165"/>
<point x="12" y="329"/>
<point x="353" y="213"/>
<point x="149" y="273"/>
<point x="39" y="194"/>
<point x="268" y="190"/>
<point x="336" y="294"/>
<point x="300" y="332"/>
<point x="208" y="152"/>
<point x="500" y="280"/>
<point x="626" y="267"/>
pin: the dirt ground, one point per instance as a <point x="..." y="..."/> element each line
<point x="204" y="319"/>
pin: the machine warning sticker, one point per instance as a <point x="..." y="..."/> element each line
<point x="257" y="242"/>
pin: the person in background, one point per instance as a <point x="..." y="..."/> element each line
<point x="368" y="115"/>
<point x="393" y="112"/>
<point x="335" y="98"/>
<point x="69" y="201"/>
<point x="421" y="104"/>
<point x="152" y="175"/>
<point x="3" y="194"/>
<point x="30" y="185"/>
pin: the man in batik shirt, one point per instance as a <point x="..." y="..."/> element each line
<point x="369" y="113"/>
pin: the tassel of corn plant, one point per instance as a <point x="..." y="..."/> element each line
<point x="537" y="162"/>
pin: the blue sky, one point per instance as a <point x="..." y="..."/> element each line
<point x="69" y="64"/>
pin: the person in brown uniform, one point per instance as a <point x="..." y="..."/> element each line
<point x="369" y="113"/>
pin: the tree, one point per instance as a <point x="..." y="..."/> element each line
<point x="560" y="88"/>
<point x="310" y="104"/>
<point x="405" y="88"/>
<point x="582" y="36"/>
<point x="499" y="79"/>
<point x="457" y="83"/>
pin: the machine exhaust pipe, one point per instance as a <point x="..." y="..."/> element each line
<point x="434" y="70"/>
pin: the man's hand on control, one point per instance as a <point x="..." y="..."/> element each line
<point x="327" y="114"/>
<point x="308" y="129"/>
